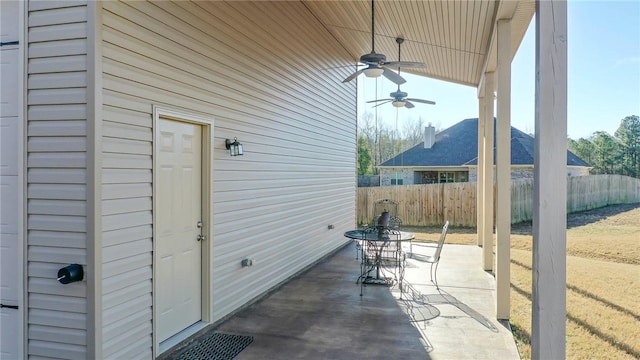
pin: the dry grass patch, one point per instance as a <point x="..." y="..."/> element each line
<point x="603" y="281"/>
<point x="602" y="311"/>
<point x="606" y="240"/>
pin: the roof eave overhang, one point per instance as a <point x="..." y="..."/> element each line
<point x="521" y="13"/>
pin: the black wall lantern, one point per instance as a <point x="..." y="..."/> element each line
<point x="70" y="273"/>
<point x="234" y="147"/>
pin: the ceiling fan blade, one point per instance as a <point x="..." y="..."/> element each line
<point x="408" y="104"/>
<point x="353" y="76"/>
<point x="378" y="100"/>
<point x="399" y="64"/>
<point x="382" y="103"/>
<point x="391" y="75"/>
<point x="423" y="101"/>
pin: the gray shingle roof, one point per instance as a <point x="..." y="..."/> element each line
<point x="458" y="146"/>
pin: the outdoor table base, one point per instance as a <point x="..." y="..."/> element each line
<point x="369" y="280"/>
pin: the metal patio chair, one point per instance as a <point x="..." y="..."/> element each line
<point x="434" y="259"/>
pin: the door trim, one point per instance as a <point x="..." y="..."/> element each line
<point x="207" y="123"/>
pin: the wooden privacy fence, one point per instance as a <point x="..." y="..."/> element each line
<point x="433" y="204"/>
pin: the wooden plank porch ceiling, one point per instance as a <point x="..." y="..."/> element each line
<point x="456" y="39"/>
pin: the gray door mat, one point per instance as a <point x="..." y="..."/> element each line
<point x="214" y="346"/>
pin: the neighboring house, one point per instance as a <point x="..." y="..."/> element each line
<point x="451" y="156"/>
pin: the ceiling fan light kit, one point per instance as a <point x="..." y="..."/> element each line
<point x="373" y="72"/>
<point x="399" y="104"/>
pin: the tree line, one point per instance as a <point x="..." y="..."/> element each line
<point x="612" y="154"/>
<point x="607" y="154"/>
<point x="377" y="142"/>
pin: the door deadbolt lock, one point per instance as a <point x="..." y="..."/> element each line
<point x="199" y="224"/>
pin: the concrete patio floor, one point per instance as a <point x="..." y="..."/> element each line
<point x="321" y="315"/>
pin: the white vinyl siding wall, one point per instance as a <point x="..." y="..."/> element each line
<point x="260" y="75"/>
<point x="11" y="181"/>
<point x="56" y="177"/>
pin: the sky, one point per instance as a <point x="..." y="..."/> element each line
<point x="603" y="77"/>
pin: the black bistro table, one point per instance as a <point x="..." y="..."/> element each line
<point x="380" y="246"/>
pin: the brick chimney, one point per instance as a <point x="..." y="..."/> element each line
<point x="429" y="136"/>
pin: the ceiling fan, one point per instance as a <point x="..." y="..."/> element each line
<point x="377" y="64"/>
<point x="399" y="98"/>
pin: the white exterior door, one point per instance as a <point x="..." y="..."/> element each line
<point x="10" y="219"/>
<point x="178" y="212"/>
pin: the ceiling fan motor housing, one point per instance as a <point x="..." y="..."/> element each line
<point x="398" y="94"/>
<point x="373" y="58"/>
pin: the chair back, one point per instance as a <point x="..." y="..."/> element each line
<point x="385" y="204"/>
<point x="388" y="207"/>
<point x="436" y="255"/>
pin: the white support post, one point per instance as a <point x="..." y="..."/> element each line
<point x="549" y="313"/>
<point x="487" y="171"/>
<point x="503" y="171"/>
<point x="480" y="172"/>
